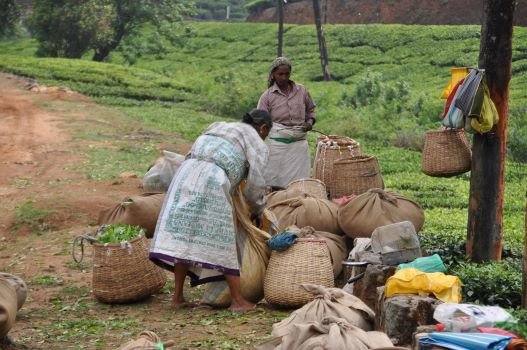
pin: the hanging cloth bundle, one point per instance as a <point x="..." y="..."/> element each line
<point x="469" y="105"/>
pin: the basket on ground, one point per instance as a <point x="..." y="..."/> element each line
<point x="446" y="153"/>
<point x="123" y="272"/>
<point x="329" y="149"/>
<point x="355" y="175"/>
<point x="306" y="261"/>
<point x="313" y="187"/>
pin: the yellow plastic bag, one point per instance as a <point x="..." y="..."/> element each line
<point x="456" y="74"/>
<point x="446" y="288"/>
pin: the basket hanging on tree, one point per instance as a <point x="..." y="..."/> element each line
<point x="122" y="271"/>
<point x="446" y="153"/>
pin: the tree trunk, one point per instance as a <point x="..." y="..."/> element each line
<point x="321" y="41"/>
<point x="485" y="216"/>
<point x="280" y="9"/>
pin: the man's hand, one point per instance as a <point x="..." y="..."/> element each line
<point x="308" y="125"/>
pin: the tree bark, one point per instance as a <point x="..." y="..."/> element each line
<point x="485" y="216"/>
<point x="321" y="41"/>
<point x="280" y="9"/>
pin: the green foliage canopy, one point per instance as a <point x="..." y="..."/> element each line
<point x="9" y="15"/>
<point x="71" y="28"/>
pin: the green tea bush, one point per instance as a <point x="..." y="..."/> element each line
<point x="494" y="283"/>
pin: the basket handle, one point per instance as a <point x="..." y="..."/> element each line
<point x="81" y="240"/>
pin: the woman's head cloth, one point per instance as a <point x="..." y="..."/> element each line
<point x="277" y="63"/>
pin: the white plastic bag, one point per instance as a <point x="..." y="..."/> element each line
<point x="468" y="317"/>
<point x="159" y="176"/>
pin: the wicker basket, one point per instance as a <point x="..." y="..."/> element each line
<point x="329" y="149"/>
<point x="125" y="274"/>
<point x="355" y="175"/>
<point x="313" y="187"/>
<point x="306" y="261"/>
<point x="446" y="153"/>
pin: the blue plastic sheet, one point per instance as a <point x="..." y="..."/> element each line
<point x="467" y="341"/>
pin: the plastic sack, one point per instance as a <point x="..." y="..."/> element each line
<point x="432" y="263"/>
<point x="159" y="176"/>
<point x="446" y="288"/>
<point x="468" y="317"/>
<point x="466" y="341"/>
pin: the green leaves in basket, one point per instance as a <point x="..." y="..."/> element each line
<point x="117" y="233"/>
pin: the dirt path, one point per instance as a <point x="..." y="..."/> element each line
<point x="39" y="156"/>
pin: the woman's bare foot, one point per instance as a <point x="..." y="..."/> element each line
<point x="181" y="303"/>
<point x="242" y="306"/>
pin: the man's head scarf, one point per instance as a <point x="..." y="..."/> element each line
<point x="277" y="63"/>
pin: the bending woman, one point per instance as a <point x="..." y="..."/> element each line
<point x="195" y="232"/>
<point x="293" y="113"/>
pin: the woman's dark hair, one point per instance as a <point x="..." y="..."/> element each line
<point x="258" y="117"/>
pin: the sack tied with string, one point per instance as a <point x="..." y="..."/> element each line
<point x="375" y="208"/>
<point x="321" y="214"/>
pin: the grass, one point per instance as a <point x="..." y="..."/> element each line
<point x="32" y="217"/>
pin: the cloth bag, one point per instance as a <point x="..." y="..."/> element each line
<point x="159" y="176"/>
<point x="254" y="254"/>
<point x="141" y="210"/>
<point x="376" y="207"/>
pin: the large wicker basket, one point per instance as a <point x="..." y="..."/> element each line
<point x="446" y="153"/>
<point x="355" y="175"/>
<point x="306" y="261"/>
<point x="329" y="149"/>
<point x="313" y="187"/>
<point x="124" y="273"/>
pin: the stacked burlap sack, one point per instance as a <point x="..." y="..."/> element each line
<point x="333" y="320"/>
<point x="360" y="216"/>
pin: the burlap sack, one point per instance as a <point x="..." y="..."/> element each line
<point x="329" y="333"/>
<point x="20" y="286"/>
<point x="280" y="196"/>
<point x="321" y="214"/>
<point x="159" y="176"/>
<point x="147" y="340"/>
<point x="141" y="210"/>
<point x="376" y="207"/>
<point x="8" y="307"/>
<point x="328" y="302"/>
